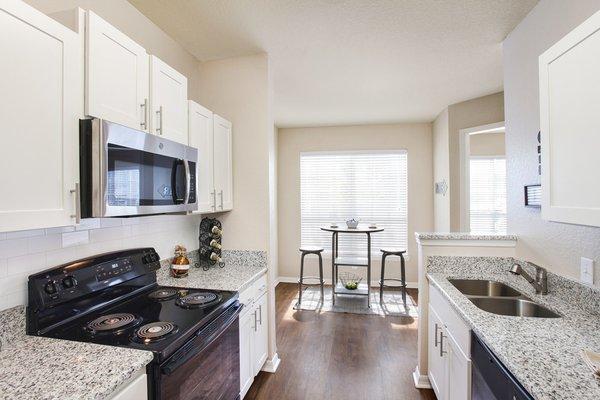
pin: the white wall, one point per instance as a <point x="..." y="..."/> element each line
<point x="415" y="138"/>
<point x="238" y="89"/>
<point x="441" y="171"/>
<point x="487" y="144"/>
<point x="26" y="252"/>
<point x="554" y="245"/>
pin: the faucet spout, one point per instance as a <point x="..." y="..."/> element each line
<point x="539" y="283"/>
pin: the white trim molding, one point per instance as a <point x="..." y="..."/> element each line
<point x="272" y="364"/>
<point x="421" y="381"/>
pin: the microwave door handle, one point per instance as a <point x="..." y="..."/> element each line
<point x="186" y="165"/>
<point x="176" y="199"/>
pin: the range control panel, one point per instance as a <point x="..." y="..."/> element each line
<point x="82" y="277"/>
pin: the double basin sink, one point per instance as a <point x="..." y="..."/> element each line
<point x="498" y="298"/>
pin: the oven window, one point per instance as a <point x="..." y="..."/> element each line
<point x="139" y="178"/>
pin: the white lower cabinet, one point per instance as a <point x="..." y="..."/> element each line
<point x="253" y="333"/>
<point x="135" y="390"/>
<point x="449" y="363"/>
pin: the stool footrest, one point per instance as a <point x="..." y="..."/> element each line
<point x="311" y="278"/>
<point x="402" y="283"/>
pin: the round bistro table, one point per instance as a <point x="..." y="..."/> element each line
<point x="364" y="289"/>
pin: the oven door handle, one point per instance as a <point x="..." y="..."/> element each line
<point x="213" y="330"/>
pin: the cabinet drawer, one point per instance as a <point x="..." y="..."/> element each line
<point x="454" y="324"/>
<point x="260" y="285"/>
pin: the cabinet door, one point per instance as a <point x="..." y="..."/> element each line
<point x="247" y="327"/>
<point x="569" y="124"/>
<point x="436" y="355"/>
<point x="137" y="389"/>
<point x="459" y="370"/>
<point x="223" y="163"/>
<point x="201" y="137"/>
<point x="261" y="334"/>
<point x="169" y="103"/>
<point x="41" y="94"/>
<point x="117" y="76"/>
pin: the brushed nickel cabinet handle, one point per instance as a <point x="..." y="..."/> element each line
<point x="221" y="194"/>
<point x="160" y="114"/>
<point x="436" y="334"/>
<point x="77" y="193"/>
<point x="255" y="323"/>
<point x="214" y="196"/>
<point x="260" y="314"/>
<point x="442" y="351"/>
<point x="144" y="123"/>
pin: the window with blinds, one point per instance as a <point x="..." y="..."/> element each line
<point x="488" y="195"/>
<point x="368" y="185"/>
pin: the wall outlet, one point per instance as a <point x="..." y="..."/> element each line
<point x="587" y="271"/>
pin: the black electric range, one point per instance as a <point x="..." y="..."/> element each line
<point x="113" y="299"/>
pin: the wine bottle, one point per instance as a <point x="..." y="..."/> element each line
<point x="215" y="258"/>
<point x="215" y="244"/>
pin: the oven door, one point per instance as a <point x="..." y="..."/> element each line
<point x="208" y="366"/>
<point x="140" y="173"/>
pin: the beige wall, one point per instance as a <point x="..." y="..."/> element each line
<point x="134" y="24"/>
<point x="238" y="89"/>
<point x="487" y="144"/>
<point x="441" y="172"/>
<point x="416" y="138"/>
<point x="553" y="245"/>
<point x="480" y="111"/>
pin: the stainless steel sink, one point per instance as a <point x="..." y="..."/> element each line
<point x="474" y="287"/>
<point x="513" y="307"/>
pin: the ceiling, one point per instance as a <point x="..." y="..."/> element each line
<point x="337" y="62"/>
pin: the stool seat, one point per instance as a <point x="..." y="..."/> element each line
<point x="311" y="249"/>
<point x="393" y="251"/>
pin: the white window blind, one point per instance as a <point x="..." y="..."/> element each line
<point x="369" y="185"/>
<point x="488" y="195"/>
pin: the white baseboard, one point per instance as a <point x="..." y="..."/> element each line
<point x="272" y="364"/>
<point x="292" y="279"/>
<point x="421" y="381"/>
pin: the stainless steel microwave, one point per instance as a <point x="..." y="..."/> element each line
<point x="126" y="172"/>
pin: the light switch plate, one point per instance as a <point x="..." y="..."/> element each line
<point x="587" y="271"/>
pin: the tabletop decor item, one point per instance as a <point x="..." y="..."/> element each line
<point x="180" y="265"/>
<point x="352" y="223"/>
<point x="350" y="280"/>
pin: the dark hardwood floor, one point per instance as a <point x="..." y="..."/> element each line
<point x="340" y="356"/>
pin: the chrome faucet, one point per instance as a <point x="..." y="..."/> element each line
<point x="540" y="283"/>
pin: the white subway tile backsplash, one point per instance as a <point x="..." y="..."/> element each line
<point x="26" y="252"/>
<point x="118" y="232"/>
<point x="13" y="248"/>
<point x="44" y="243"/>
<point x="60" y="229"/>
<point x="26" y="263"/>
<point x="25" y="234"/>
<point x="88" y="223"/>
<point x="75" y="238"/>
<point x="110" y="222"/>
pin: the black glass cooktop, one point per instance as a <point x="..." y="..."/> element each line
<point x="160" y="319"/>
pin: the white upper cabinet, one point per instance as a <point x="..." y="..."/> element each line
<point x="169" y="103"/>
<point x="569" y="106"/>
<point x="201" y="137"/>
<point x="117" y="76"/>
<point x="223" y="166"/>
<point x="41" y="94"/>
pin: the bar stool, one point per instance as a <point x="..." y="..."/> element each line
<point x="393" y="252"/>
<point x="305" y="250"/>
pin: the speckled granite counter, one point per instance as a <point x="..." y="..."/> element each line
<point x="461" y="236"/>
<point x="40" y="368"/>
<point x="543" y="354"/>
<point x="241" y="269"/>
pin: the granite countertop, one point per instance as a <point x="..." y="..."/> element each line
<point x="542" y="353"/>
<point x="241" y="269"/>
<point x="461" y="236"/>
<point x="40" y="368"/>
